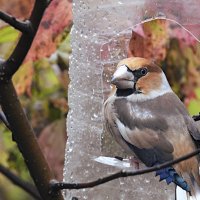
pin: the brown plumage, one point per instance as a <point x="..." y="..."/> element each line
<point x="147" y="119"/>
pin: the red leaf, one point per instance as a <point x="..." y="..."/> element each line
<point x="149" y="40"/>
<point x="57" y="17"/>
<point x="185" y="37"/>
<point x="18" y="8"/>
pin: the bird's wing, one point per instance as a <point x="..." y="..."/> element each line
<point x="192" y="126"/>
<point x="111" y="126"/>
<point x="146" y="127"/>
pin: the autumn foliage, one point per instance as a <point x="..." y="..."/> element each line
<point x="176" y="50"/>
<point x="41" y="83"/>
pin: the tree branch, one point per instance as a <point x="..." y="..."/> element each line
<point x="62" y="185"/>
<point x="19" y="125"/>
<point x="24" y="27"/>
<point x="26" y="141"/>
<point x="12" y="64"/>
<point x="29" y="188"/>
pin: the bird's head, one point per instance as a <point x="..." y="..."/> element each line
<point x="139" y="76"/>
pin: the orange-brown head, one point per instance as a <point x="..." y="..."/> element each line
<point x="140" y="75"/>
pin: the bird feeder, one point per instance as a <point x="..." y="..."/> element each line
<point x="103" y="33"/>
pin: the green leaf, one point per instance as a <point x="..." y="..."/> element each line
<point x="8" y="34"/>
<point x="193" y="107"/>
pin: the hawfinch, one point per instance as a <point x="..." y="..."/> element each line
<point x="147" y="119"/>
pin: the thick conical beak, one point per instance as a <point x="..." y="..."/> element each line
<point x="122" y="78"/>
<point x="113" y="80"/>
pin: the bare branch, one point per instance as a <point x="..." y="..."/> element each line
<point x="12" y="64"/>
<point x="27" y="143"/>
<point x="24" y="27"/>
<point x="62" y="185"/>
<point x="29" y="188"/>
<point x="22" y="131"/>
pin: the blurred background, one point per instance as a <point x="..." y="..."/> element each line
<point x="41" y="84"/>
<point x="42" y="80"/>
<point x="177" y="51"/>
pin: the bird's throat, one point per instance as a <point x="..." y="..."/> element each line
<point x="126" y="92"/>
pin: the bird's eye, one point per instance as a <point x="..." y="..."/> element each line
<point x="143" y="71"/>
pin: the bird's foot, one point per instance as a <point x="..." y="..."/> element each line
<point x="135" y="162"/>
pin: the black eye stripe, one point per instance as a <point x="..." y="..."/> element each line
<point x="128" y="69"/>
<point x="143" y="71"/>
<point x="140" y="72"/>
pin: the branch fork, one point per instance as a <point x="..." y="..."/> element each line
<point x="16" y="118"/>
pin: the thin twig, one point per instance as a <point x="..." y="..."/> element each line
<point x="24" y="27"/>
<point x="12" y="64"/>
<point x="62" y="185"/>
<point x="27" y="143"/>
<point x="29" y="188"/>
<point x="22" y="131"/>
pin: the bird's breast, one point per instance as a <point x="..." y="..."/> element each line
<point x="139" y="115"/>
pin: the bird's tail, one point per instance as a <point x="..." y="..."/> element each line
<point x="195" y="190"/>
<point x="194" y="185"/>
<point x="170" y="175"/>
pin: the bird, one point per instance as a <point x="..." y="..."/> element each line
<point x="147" y="119"/>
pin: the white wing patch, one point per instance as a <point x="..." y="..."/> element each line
<point x="139" y="112"/>
<point x="123" y="130"/>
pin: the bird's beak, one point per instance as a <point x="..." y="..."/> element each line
<point x="113" y="79"/>
<point x="121" y="74"/>
<point x="122" y="78"/>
